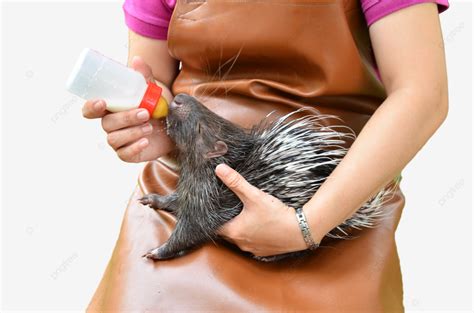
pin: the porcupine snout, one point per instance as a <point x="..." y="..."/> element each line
<point x="180" y="107"/>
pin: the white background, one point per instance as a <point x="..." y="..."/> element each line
<point x="64" y="191"/>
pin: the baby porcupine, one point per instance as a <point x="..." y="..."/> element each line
<point x="288" y="159"/>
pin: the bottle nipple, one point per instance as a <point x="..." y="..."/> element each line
<point x="153" y="102"/>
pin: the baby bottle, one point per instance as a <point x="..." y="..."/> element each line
<point x="96" y="76"/>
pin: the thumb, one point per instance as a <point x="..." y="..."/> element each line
<point x="237" y="183"/>
<point x="140" y="66"/>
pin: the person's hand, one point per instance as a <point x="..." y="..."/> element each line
<point x="132" y="134"/>
<point x="266" y="226"/>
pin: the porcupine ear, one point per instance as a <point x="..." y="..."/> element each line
<point x="220" y="148"/>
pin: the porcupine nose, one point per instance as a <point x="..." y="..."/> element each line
<point x="180" y="107"/>
<point x="178" y="101"/>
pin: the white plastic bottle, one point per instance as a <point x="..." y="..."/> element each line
<point x="96" y="76"/>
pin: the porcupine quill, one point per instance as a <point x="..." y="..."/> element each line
<point x="287" y="158"/>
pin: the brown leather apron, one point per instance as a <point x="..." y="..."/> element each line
<point x="243" y="59"/>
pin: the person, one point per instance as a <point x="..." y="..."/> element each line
<point x="378" y="64"/>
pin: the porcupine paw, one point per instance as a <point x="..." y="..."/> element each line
<point x="150" y="200"/>
<point x="158" y="202"/>
<point x="160" y="253"/>
<point x="151" y="254"/>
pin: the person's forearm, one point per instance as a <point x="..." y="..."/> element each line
<point x="155" y="53"/>
<point x="389" y="140"/>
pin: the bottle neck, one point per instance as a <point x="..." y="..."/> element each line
<point x="154" y="102"/>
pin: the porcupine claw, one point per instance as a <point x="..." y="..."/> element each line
<point x="146" y="200"/>
<point x="160" y="253"/>
<point x="153" y="254"/>
<point x="148" y="255"/>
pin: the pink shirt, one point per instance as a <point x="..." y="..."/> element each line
<point x="150" y="18"/>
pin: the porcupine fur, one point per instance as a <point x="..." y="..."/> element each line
<point x="287" y="158"/>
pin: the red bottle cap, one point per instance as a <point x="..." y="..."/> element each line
<point x="151" y="98"/>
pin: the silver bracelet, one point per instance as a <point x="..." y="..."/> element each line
<point x="305" y="229"/>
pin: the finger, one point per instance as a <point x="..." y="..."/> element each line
<point x="115" y="121"/>
<point x="140" y="66"/>
<point x="226" y="231"/>
<point x="132" y="153"/>
<point x="94" y="109"/>
<point x="223" y="232"/>
<point x="232" y="179"/>
<point x="122" y="137"/>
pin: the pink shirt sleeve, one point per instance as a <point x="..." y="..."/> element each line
<point x="376" y="9"/>
<point x="149" y="18"/>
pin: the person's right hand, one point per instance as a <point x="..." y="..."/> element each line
<point x="132" y="134"/>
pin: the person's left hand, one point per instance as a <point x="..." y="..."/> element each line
<point x="266" y="226"/>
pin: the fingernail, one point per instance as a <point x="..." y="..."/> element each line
<point x="143" y="143"/>
<point x="223" y="169"/>
<point x="99" y="105"/>
<point x="143" y="115"/>
<point x="147" y="129"/>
